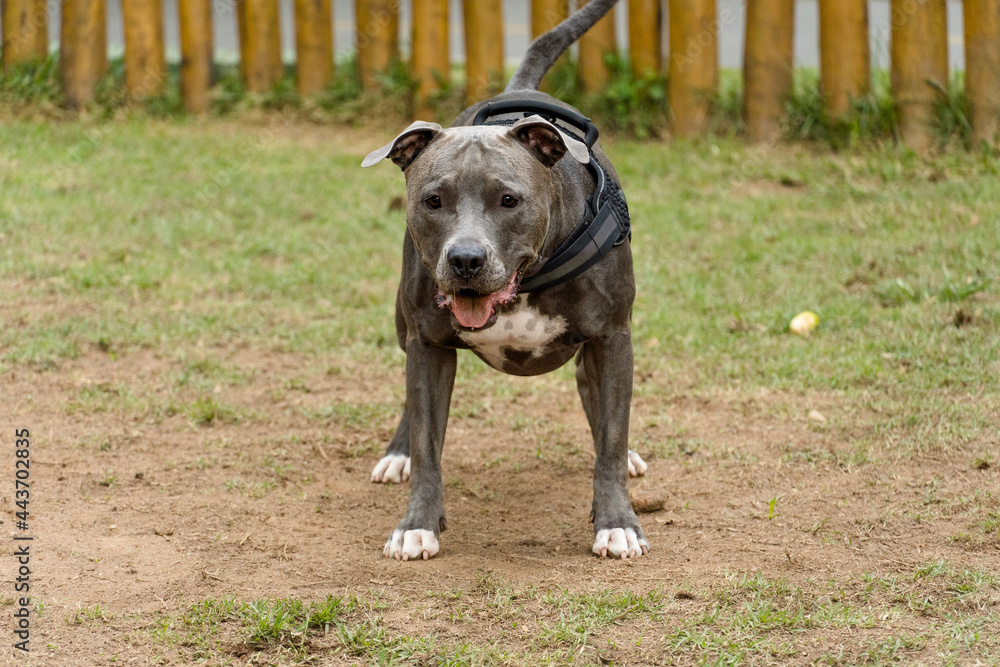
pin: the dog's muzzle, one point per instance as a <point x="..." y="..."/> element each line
<point x="474" y="310"/>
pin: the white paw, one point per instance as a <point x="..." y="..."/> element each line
<point x="411" y="545"/>
<point x="636" y="466"/>
<point x="619" y="543"/>
<point x="396" y="468"/>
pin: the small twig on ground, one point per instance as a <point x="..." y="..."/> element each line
<point x="322" y="452"/>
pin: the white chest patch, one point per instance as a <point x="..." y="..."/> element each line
<point x="523" y="329"/>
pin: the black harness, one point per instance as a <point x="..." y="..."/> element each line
<point x="605" y="221"/>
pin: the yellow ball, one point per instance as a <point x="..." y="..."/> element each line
<point x="803" y="323"/>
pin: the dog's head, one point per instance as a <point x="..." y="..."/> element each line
<point x="478" y="205"/>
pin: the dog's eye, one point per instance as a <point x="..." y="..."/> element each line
<point x="508" y="201"/>
<point x="433" y="201"/>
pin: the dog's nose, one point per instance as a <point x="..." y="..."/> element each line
<point x="467" y="258"/>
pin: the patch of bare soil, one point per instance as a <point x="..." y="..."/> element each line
<point x="150" y="494"/>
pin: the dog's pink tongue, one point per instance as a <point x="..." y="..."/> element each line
<point x="472" y="311"/>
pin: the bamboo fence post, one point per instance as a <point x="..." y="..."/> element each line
<point x="25" y="32"/>
<point x="483" y="48"/>
<point x="844" y="54"/>
<point x="982" y="67"/>
<point x="197" y="54"/>
<point x="644" y="37"/>
<point x="377" y="37"/>
<point x="545" y="15"/>
<point x="82" y="34"/>
<point x="40" y="17"/>
<point x="145" y="59"/>
<point x="430" y="64"/>
<point x="595" y="44"/>
<point x="313" y="45"/>
<point x="260" y="44"/>
<point x="694" y="64"/>
<point x="100" y="45"/>
<point x="767" y="66"/>
<point x="919" y="54"/>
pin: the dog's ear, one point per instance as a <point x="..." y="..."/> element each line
<point x="405" y="148"/>
<point x="547" y="142"/>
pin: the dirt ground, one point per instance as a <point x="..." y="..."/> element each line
<point x="144" y="512"/>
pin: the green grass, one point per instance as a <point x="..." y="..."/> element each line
<point x="926" y="616"/>
<point x="175" y="237"/>
<point x="889" y="249"/>
<point x="871" y="119"/>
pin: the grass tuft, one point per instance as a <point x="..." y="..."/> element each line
<point x="870" y="120"/>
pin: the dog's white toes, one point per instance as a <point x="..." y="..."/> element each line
<point x="411" y="545"/>
<point x="634" y="550"/>
<point x="619" y="543"/>
<point x="636" y="466"/>
<point x="392" y="468"/>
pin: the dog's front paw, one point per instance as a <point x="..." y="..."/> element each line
<point x="411" y="545"/>
<point x="636" y="466"/>
<point x="620" y="543"/>
<point x="396" y="468"/>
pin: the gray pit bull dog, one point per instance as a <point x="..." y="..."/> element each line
<point x="487" y="208"/>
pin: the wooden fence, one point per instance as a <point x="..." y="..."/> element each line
<point x="919" y="64"/>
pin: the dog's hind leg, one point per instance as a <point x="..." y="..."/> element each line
<point x="636" y="466"/>
<point x="581" y="386"/>
<point x="395" y="465"/>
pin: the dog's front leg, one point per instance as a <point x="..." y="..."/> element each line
<point x="608" y="366"/>
<point x="430" y="377"/>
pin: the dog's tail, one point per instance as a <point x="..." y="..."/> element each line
<point x="544" y="51"/>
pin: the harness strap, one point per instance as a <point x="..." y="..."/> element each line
<point x="606" y="222"/>
<point x="547" y="110"/>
